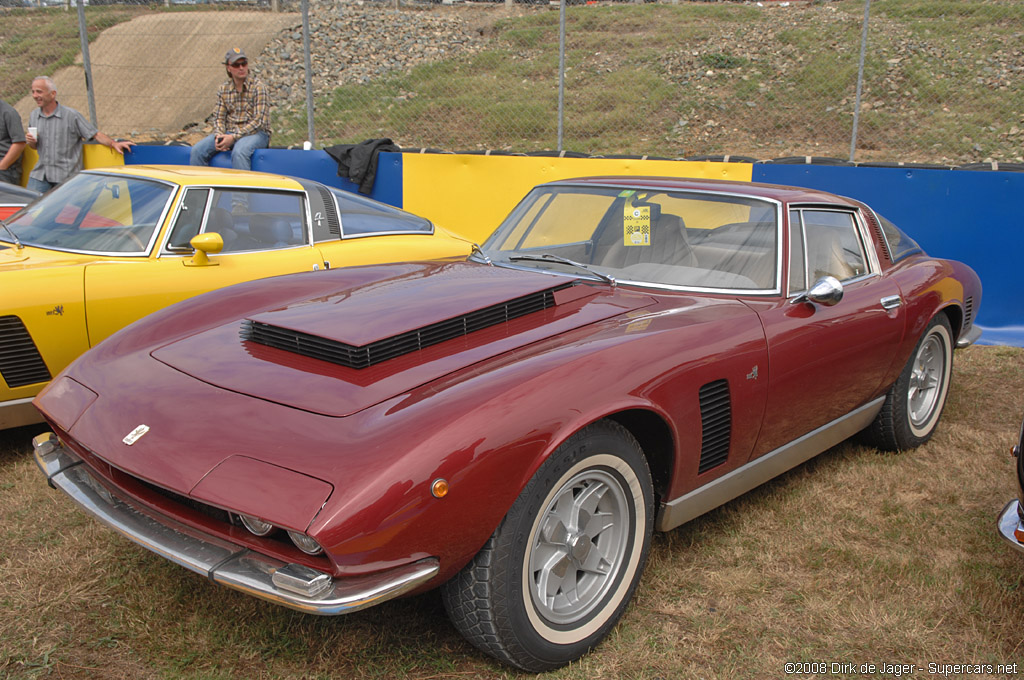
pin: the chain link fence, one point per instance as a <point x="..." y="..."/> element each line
<point x="915" y="81"/>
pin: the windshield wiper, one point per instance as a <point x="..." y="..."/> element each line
<point x="13" y="235"/>
<point x="548" y="257"/>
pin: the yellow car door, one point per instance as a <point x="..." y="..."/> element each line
<point x="259" y="233"/>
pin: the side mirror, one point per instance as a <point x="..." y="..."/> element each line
<point x="205" y="244"/>
<point x="826" y="291"/>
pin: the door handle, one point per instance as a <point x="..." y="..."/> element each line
<point x="891" y="302"/>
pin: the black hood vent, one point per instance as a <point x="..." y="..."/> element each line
<point x="404" y="343"/>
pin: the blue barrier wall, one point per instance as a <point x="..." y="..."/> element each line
<point x="314" y="164"/>
<point x="966" y="215"/>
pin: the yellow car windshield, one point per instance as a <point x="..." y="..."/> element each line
<point x="95" y="213"/>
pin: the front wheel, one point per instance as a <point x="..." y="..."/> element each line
<point x="913" y="405"/>
<point x="559" y="570"/>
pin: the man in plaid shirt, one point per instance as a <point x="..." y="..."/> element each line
<point x="242" y="118"/>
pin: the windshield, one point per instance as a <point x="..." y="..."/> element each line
<point x="94" y="213"/>
<point x="690" y="239"/>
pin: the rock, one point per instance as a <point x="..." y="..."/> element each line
<point x="352" y="44"/>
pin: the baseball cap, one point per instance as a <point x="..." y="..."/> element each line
<point x="233" y="55"/>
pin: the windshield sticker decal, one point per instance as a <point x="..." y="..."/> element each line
<point x="636" y="225"/>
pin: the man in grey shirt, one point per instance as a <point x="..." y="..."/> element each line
<point x="12" y="144"/>
<point x="59" y="133"/>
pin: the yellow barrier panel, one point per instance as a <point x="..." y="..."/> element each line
<point x="470" y="194"/>
<point x="93" y="156"/>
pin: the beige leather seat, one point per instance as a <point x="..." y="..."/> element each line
<point x="825" y="255"/>
<point x="669" y="245"/>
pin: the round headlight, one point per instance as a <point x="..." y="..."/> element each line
<point x="305" y="543"/>
<point x="256" y="525"/>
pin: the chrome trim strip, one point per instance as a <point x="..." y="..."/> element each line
<point x="222" y="562"/>
<point x="351" y="237"/>
<point x="1008" y="522"/>
<point x="766" y="467"/>
<point x="969" y="338"/>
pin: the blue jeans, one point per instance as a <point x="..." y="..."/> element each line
<point x="241" y="152"/>
<point x="40" y="185"/>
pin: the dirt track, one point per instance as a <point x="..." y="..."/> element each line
<point x="169" y="54"/>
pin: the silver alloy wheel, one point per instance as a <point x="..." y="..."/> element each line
<point x="926" y="380"/>
<point x="578" y="548"/>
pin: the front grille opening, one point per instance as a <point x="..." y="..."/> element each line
<point x="20" y="361"/>
<point x="374" y="353"/>
<point x="190" y="503"/>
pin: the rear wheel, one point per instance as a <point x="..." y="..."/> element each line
<point x="914" y="403"/>
<point x="559" y="571"/>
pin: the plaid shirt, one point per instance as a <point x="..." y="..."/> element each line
<point x="242" y="113"/>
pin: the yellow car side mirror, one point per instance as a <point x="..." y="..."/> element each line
<point x="205" y="244"/>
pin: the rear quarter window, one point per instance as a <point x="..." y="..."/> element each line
<point x="364" y="217"/>
<point x="900" y="245"/>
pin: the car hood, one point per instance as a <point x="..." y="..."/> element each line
<point x="338" y="353"/>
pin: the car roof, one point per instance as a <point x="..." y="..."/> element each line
<point x="785" y="194"/>
<point x="16" y="193"/>
<point x="188" y="175"/>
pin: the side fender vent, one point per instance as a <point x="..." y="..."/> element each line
<point x="716" y="424"/>
<point x="968" y="312"/>
<point x="374" y="353"/>
<point x="20" y="361"/>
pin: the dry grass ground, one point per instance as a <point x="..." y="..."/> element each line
<point x="853" y="558"/>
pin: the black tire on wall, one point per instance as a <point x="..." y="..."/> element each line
<point x="559" y="571"/>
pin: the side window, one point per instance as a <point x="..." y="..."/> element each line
<point x="189" y="220"/>
<point x="797" y="262"/>
<point x="257" y="220"/>
<point x="833" y="245"/>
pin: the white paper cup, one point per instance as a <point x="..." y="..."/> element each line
<point x="34" y="132"/>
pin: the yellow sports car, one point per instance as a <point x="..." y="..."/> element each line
<point x="110" y="246"/>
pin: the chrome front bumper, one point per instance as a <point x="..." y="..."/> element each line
<point x="223" y="562"/>
<point x="1010" y="526"/>
<point x="968" y="338"/>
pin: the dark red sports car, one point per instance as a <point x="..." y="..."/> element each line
<point x="622" y="355"/>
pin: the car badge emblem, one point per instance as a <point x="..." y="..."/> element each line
<point x="136" y="434"/>
<point x="753" y="374"/>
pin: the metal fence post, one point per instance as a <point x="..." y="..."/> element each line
<point x="310" y="132"/>
<point x="87" y="66"/>
<point x="860" y="79"/>
<point x="561" y="71"/>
